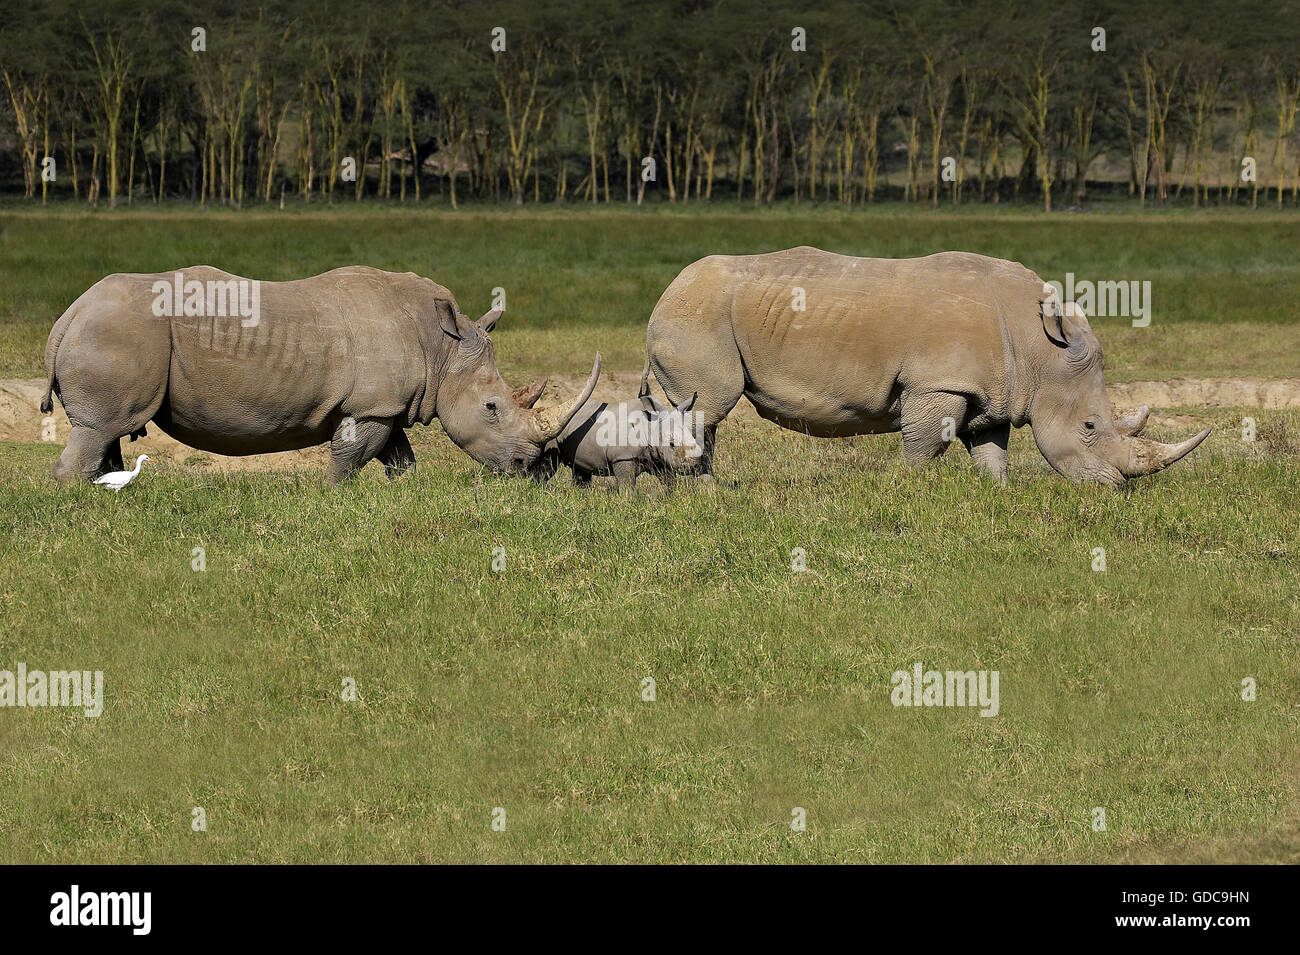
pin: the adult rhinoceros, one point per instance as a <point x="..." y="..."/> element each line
<point x="352" y="357"/>
<point x="950" y="345"/>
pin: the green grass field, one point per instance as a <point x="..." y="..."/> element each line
<point x="1225" y="286"/>
<point x="522" y="689"/>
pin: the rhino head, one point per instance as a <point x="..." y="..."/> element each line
<point x="674" y="444"/>
<point x="1074" y="425"/>
<point x="494" y="425"/>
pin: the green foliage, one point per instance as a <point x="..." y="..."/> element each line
<point x="416" y="95"/>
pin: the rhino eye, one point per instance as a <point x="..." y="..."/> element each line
<point x="492" y="407"/>
<point x="1090" y="425"/>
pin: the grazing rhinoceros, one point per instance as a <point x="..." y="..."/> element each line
<point x="625" y="440"/>
<point x="235" y="366"/>
<point x="950" y="345"/>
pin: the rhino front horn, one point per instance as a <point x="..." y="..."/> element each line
<point x="1147" y="457"/>
<point x="549" y="423"/>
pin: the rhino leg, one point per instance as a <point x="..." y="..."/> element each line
<point x="545" y="467"/>
<point x="625" y="475"/>
<point x="988" y="450"/>
<point x="696" y="361"/>
<point x="709" y="441"/>
<point x="397" y="456"/>
<point x="111" y="367"/>
<point x="88" y="455"/>
<point x="354" y="444"/>
<point x="113" y="456"/>
<point x="929" y="423"/>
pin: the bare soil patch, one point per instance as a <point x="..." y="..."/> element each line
<point x="1269" y="393"/>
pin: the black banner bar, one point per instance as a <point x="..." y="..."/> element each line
<point x="213" y="903"/>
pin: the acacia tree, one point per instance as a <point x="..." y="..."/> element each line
<point x="29" y="97"/>
<point x="819" y="85"/>
<point x="850" y="129"/>
<point x="273" y="95"/>
<point x="595" y="110"/>
<point x="1198" y="110"/>
<point x="878" y="97"/>
<point x="937" y="92"/>
<point x="971" y="77"/>
<point x="1034" y="103"/>
<point x="524" y="102"/>
<point x="113" y="62"/>
<point x="1160" y="73"/>
<point x="1286" y="79"/>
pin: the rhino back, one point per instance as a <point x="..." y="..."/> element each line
<point x="869" y="331"/>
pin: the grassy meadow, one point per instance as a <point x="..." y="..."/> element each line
<point x="522" y="689"/>
<point x="1225" y="286"/>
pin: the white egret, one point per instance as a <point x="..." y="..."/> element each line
<point x="120" y="479"/>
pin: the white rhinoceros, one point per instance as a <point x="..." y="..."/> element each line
<point x="351" y="357"/>
<point x="949" y="345"/>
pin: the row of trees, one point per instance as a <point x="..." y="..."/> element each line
<point x="609" y="100"/>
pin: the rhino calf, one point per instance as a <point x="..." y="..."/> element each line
<point x="624" y="440"/>
<point x="949" y="346"/>
<point x="352" y="357"/>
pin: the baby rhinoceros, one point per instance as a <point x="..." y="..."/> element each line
<point x="625" y="439"/>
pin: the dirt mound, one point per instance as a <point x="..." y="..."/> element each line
<point x="1268" y="393"/>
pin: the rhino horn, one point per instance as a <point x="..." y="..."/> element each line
<point x="1131" y="424"/>
<point x="527" y="396"/>
<point x="1147" y="457"/>
<point x="549" y="422"/>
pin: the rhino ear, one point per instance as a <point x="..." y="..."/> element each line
<point x="452" y="321"/>
<point x="489" y="320"/>
<point x="1073" y="313"/>
<point x="1053" y="315"/>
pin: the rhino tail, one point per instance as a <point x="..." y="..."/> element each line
<point x="51" y="353"/>
<point x="645" y="380"/>
<point x="52" y="345"/>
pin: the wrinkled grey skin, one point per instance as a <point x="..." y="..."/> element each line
<point x="585" y="447"/>
<point x="950" y="345"/>
<point x="351" y="357"/>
